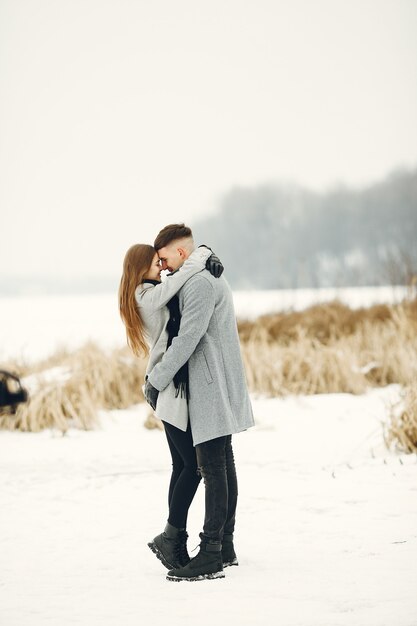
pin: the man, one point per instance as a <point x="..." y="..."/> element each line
<point x="219" y="404"/>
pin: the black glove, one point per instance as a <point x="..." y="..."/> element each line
<point x="214" y="266"/>
<point x="151" y="394"/>
<point x="213" y="263"/>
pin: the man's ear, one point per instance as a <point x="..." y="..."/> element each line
<point x="182" y="253"/>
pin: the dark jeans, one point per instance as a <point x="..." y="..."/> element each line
<point x="217" y="466"/>
<point x="184" y="478"/>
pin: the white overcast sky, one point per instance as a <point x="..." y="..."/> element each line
<point x="120" y="116"/>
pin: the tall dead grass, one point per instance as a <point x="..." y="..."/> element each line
<point x="68" y="389"/>
<point x="401" y="432"/>
<point x="327" y="348"/>
<point x="331" y="348"/>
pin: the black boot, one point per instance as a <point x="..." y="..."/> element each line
<point x="167" y="546"/>
<point x="228" y="551"/>
<point x="206" y="565"/>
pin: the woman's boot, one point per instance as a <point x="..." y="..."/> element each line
<point x="169" y="546"/>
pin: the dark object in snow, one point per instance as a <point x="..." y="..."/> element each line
<point x="11" y="391"/>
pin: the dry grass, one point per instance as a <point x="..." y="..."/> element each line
<point x="68" y="389"/>
<point x="402" y="430"/>
<point x="331" y="348"/>
<point x="327" y="348"/>
<point x="324" y="322"/>
<point x="151" y="422"/>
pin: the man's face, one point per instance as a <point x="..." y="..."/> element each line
<point x="172" y="256"/>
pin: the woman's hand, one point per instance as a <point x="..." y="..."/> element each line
<point x="151" y="394"/>
<point x="213" y="263"/>
<point x="214" y="266"/>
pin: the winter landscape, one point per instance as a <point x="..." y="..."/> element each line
<point x="283" y="133"/>
<point x="326" y="531"/>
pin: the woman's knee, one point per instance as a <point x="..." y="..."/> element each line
<point x="177" y="466"/>
<point x="191" y="466"/>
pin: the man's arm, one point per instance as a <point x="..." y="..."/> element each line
<point x="154" y="298"/>
<point x="197" y="311"/>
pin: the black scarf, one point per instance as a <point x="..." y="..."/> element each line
<point x="173" y="325"/>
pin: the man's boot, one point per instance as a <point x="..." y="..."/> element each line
<point x="207" y="565"/>
<point x="167" y="546"/>
<point x="228" y="551"/>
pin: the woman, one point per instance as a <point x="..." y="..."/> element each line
<point x="150" y="312"/>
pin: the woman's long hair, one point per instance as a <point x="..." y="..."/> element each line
<point x="136" y="265"/>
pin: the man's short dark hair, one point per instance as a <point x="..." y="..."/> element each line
<point x="171" y="233"/>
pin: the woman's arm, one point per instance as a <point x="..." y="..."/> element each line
<point x="199" y="303"/>
<point x="155" y="297"/>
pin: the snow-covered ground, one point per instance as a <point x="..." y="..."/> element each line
<point x="326" y="532"/>
<point x="31" y="327"/>
<point x="327" y="520"/>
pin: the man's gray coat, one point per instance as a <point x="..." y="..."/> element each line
<point x="219" y="402"/>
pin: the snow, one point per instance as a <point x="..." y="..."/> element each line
<point x="326" y="530"/>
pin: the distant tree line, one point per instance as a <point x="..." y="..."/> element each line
<point x="273" y="236"/>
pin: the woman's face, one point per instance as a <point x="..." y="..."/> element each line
<point x="154" y="272"/>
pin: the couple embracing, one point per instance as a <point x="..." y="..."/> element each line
<point x="195" y="383"/>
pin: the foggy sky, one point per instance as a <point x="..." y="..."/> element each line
<point x="119" y="116"/>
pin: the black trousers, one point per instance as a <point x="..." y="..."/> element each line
<point x="184" y="477"/>
<point x="217" y="466"/>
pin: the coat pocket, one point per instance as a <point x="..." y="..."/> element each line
<point x="203" y="362"/>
